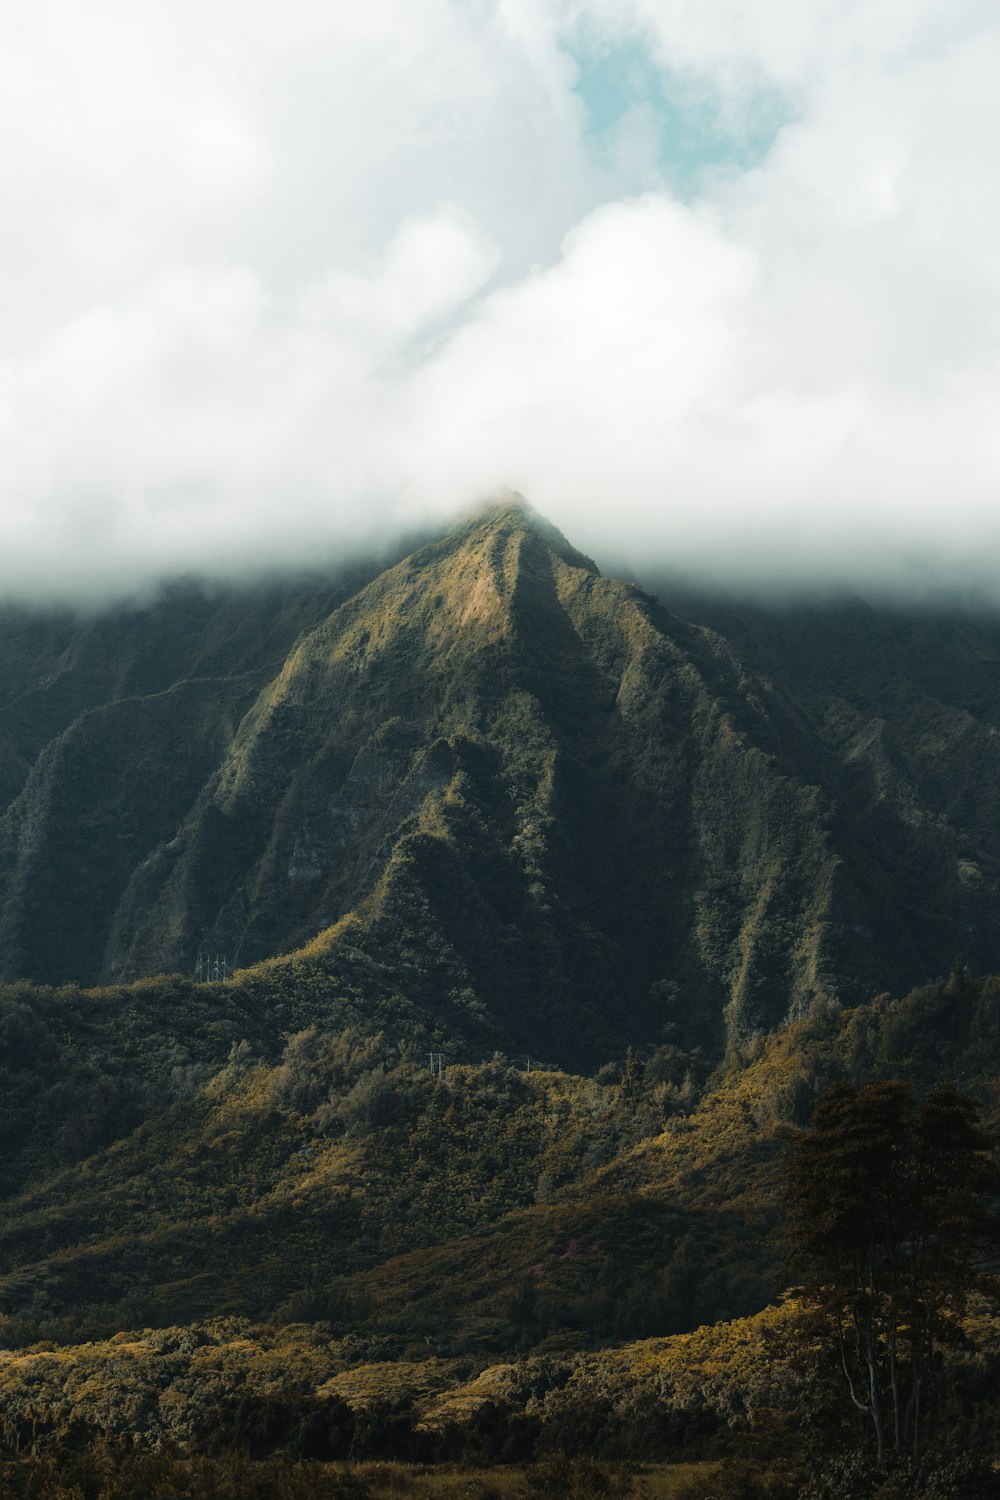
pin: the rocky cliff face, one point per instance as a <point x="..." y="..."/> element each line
<point x="505" y="792"/>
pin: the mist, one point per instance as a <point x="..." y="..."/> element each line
<point x="713" y="285"/>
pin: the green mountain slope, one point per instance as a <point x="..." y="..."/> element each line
<point x="511" y="768"/>
<point x="491" y="798"/>
<point x="489" y="1210"/>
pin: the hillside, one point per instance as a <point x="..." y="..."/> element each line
<point x="489" y="798"/>
<point x="341" y="1181"/>
<point x="643" y="877"/>
<point x="338" y="1255"/>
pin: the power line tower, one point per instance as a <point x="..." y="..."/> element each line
<point x="437" y="1063"/>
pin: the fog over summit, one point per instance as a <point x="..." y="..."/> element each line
<point x="714" y="285"/>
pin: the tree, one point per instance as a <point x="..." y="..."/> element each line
<point x="889" y="1205"/>
<point x="632" y="1080"/>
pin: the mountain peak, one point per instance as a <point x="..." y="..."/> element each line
<point x="512" y="515"/>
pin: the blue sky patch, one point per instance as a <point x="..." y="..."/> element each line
<point x="688" y="132"/>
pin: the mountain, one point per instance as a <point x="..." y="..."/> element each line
<point x="481" y="801"/>
<point x="488" y="796"/>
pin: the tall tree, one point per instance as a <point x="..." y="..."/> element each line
<point x="889" y="1202"/>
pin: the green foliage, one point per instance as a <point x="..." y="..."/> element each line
<point x="742" y="1479"/>
<point x="486" y="798"/>
<point x="971" y="1477"/>
<point x="889" y="1201"/>
<point x="111" y="1475"/>
<point x="427" y="1234"/>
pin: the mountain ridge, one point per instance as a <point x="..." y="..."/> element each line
<point x="510" y="800"/>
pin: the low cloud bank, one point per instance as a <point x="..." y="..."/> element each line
<point x="293" y="280"/>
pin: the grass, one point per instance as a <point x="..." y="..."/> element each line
<point x="520" y="1482"/>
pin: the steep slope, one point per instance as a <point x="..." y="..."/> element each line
<point x="906" y="705"/>
<point x="491" y="798"/>
<point x="58" y="664"/>
<point x="110" y="724"/>
<point x="551" y="805"/>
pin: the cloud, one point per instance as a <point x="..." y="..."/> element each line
<point x="280" y="278"/>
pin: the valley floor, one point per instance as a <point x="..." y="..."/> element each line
<point x="241" y="1480"/>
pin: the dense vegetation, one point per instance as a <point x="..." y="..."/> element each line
<point x="332" y="1256"/>
<point x="487" y="798"/>
<point x="567" y="925"/>
<point x="891" y="1208"/>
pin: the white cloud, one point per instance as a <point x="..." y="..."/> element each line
<point x="273" y="276"/>
<point x="429" y="268"/>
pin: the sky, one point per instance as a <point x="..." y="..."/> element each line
<point x="714" y="283"/>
